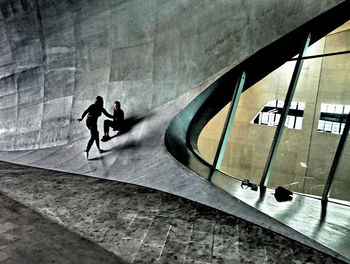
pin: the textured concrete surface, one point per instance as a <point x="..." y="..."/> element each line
<point x="27" y="237"/>
<point x="329" y="224"/>
<point x="56" y="56"/>
<point x="135" y="158"/>
<point x="139" y="224"/>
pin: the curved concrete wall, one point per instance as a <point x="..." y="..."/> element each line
<point x="56" y="56"/>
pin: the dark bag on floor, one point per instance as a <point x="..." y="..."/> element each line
<point x="282" y="194"/>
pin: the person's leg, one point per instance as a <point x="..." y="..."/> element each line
<point x="97" y="140"/>
<point x="89" y="144"/>
<point x="95" y="135"/>
<point x="107" y="123"/>
<point x="118" y="126"/>
<point x="91" y="140"/>
<point x="105" y="127"/>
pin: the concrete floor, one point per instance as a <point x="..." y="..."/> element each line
<point x="27" y="237"/>
<point x="327" y="224"/>
<point x="139" y="157"/>
<point x="138" y="224"/>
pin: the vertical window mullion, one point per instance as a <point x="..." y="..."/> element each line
<point x="228" y="123"/>
<point x="336" y="159"/>
<point x="285" y="110"/>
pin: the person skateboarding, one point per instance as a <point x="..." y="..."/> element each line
<point x="93" y="112"/>
<point x="116" y="123"/>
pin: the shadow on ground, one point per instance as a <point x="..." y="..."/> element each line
<point x="129" y="123"/>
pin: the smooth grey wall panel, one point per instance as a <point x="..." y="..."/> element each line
<point x="57" y="55"/>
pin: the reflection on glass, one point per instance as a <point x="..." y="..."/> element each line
<point x="332" y="118"/>
<point x="304" y="158"/>
<point x="292" y="163"/>
<point x="245" y="156"/>
<point x="340" y="186"/>
<point x="305" y="155"/>
<point x="270" y="114"/>
<point x="209" y="137"/>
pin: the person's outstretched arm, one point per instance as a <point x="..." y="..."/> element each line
<point x="106" y="113"/>
<point x="84" y="114"/>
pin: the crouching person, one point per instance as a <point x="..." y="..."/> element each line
<point x="116" y="123"/>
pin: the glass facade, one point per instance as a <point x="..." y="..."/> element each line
<point x="245" y="156"/>
<point x="210" y="140"/>
<point x="340" y="185"/>
<point x="316" y="119"/>
<point x="271" y="113"/>
<point x="332" y="118"/>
